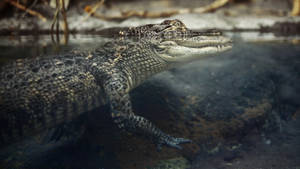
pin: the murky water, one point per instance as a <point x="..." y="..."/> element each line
<point x="227" y="104"/>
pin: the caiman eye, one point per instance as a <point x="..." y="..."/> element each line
<point x="177" y="24"/>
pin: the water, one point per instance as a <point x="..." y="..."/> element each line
<point x="14" y="47"/>
<point x="240" y="108"/>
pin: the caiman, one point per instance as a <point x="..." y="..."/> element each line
<point x="40" y="93"/>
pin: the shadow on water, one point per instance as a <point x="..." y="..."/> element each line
<point x="227" y="104"/>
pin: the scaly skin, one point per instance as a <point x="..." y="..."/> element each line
<point x="168" y="29"/>
<point x="40" y="93"/>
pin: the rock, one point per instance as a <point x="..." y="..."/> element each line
<point x="175" y="163"/>
<point x="231" y="156"/>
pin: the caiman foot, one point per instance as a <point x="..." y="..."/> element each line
<point x="171" y="142"/>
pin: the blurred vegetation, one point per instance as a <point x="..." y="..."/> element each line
<point x="118" y="10"/>
<point x="44" y="8"/>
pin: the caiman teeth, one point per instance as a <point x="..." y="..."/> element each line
<point x="219" y="46"/>
<point x="216" y="42"/>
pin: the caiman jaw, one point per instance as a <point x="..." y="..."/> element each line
<point x="187" y="49"/>
<point x="204" y="41"/>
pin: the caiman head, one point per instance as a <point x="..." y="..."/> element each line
<point x="174" y="42"/>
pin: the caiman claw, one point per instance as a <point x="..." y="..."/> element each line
<point x="171" y="142"/>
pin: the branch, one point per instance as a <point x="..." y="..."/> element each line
<point x="146" y="14"/>
<point x="91" y="11"/>
<point x="211" y="7"/>
<point x="24" y="8"/>
<point x="296" y="8"/>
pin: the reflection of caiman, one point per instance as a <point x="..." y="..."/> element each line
<point x="41" y="93"/>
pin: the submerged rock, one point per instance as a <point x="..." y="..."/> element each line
<point x="174" y="163"/>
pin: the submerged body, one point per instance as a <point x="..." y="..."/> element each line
<point x="36" y="94"/>
<point x="41" y="93"/>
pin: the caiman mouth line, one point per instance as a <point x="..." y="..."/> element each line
<point x="187" y="49"/>
<point x="193" y="44"/>
<point x="209" y="45"/>
<point x="201" y="42"/>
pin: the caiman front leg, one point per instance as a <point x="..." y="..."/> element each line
<point x="121" y="110"/>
